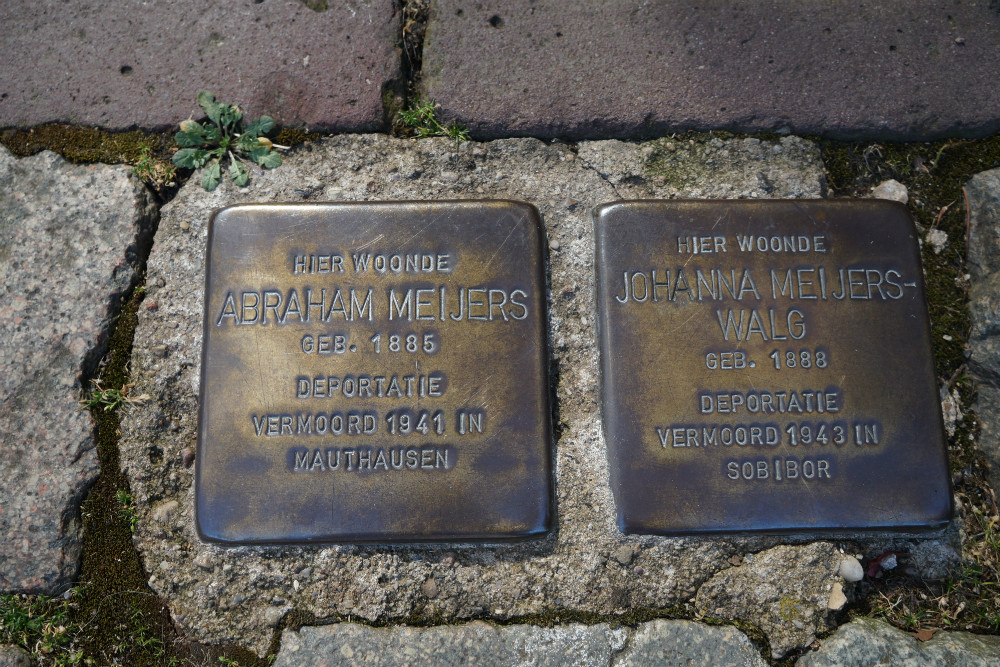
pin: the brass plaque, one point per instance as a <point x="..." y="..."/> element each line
<point x="374" y="372"/>
<point x="766" y="366"/>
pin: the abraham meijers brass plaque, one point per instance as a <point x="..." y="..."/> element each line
<point x="374" y="372"/>
<point x="766" y="366"/>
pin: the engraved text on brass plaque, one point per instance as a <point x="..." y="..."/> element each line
<point x="374" y="372"/>
<point x="766" y="366"/>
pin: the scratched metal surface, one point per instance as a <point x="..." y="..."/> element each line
<point x="669" y="375"/>
<point x="264" y="476"/>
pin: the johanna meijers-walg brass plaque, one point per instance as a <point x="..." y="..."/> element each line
<point x="766" y="366"/>
<point x="374" y="372"/>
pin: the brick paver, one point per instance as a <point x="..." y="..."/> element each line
<point x="907" y="69"/>
<point x="124" y="63"/>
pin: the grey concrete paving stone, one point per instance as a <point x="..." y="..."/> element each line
<point x="14" y="656"/>
<point x="663" y="643"/>
<point x="983" y="192"/>
<point x="868" y="642"/>
<point x="71" y="238"/>
<point x="688" y="644"/>
<point x="785" y="591"/>
<point x="120" y="63"/>
<point x="910" y="69"/>
<point x="586" y="564"/>
<point x="476" y="643"/>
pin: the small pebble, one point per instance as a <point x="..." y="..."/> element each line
<point x="892" y="190"/>
<point x="152" y="305"/>
<point x="187" y="457"/>
<point x="272" y="616"/>
<point x="163" y="513"/>
<point x="184" y="224"/>
<point x="837" y="597"/>
<point x="429" y="588"/>
<point x="851" y="570"/>
<point x="554" y="244"/>
<point x="204" y="561"/>
<point x="951" y="410"/>
<point x="938" y="240"/>
<point x="624" y="554"/>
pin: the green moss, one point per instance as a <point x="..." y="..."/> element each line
<point x="671" y="160"/>
<point x="87" y="144"/>
<point x="633" y="617"/>
<point x="292" y="136"/>
<point x="149" y="153"/>
<point x="668" y="165"/>
<point x="316" y="5"/>
<point x="392" y="104"/>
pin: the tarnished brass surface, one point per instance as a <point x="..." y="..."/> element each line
<point x="785" y="388"/>
<point x="374" y="372"/>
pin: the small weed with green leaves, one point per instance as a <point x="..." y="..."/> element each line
<point x="112" y="398"/>
<point x="225" y="135"/>
<point x="140" y="633"/>
<point x="106" y="399"/>
<point x="422" y="117"/>
<point x="41" y="625"/>
<point x="153" y="171"/>
<point x="228" y="662"/>
<point x="126" y="509"/>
